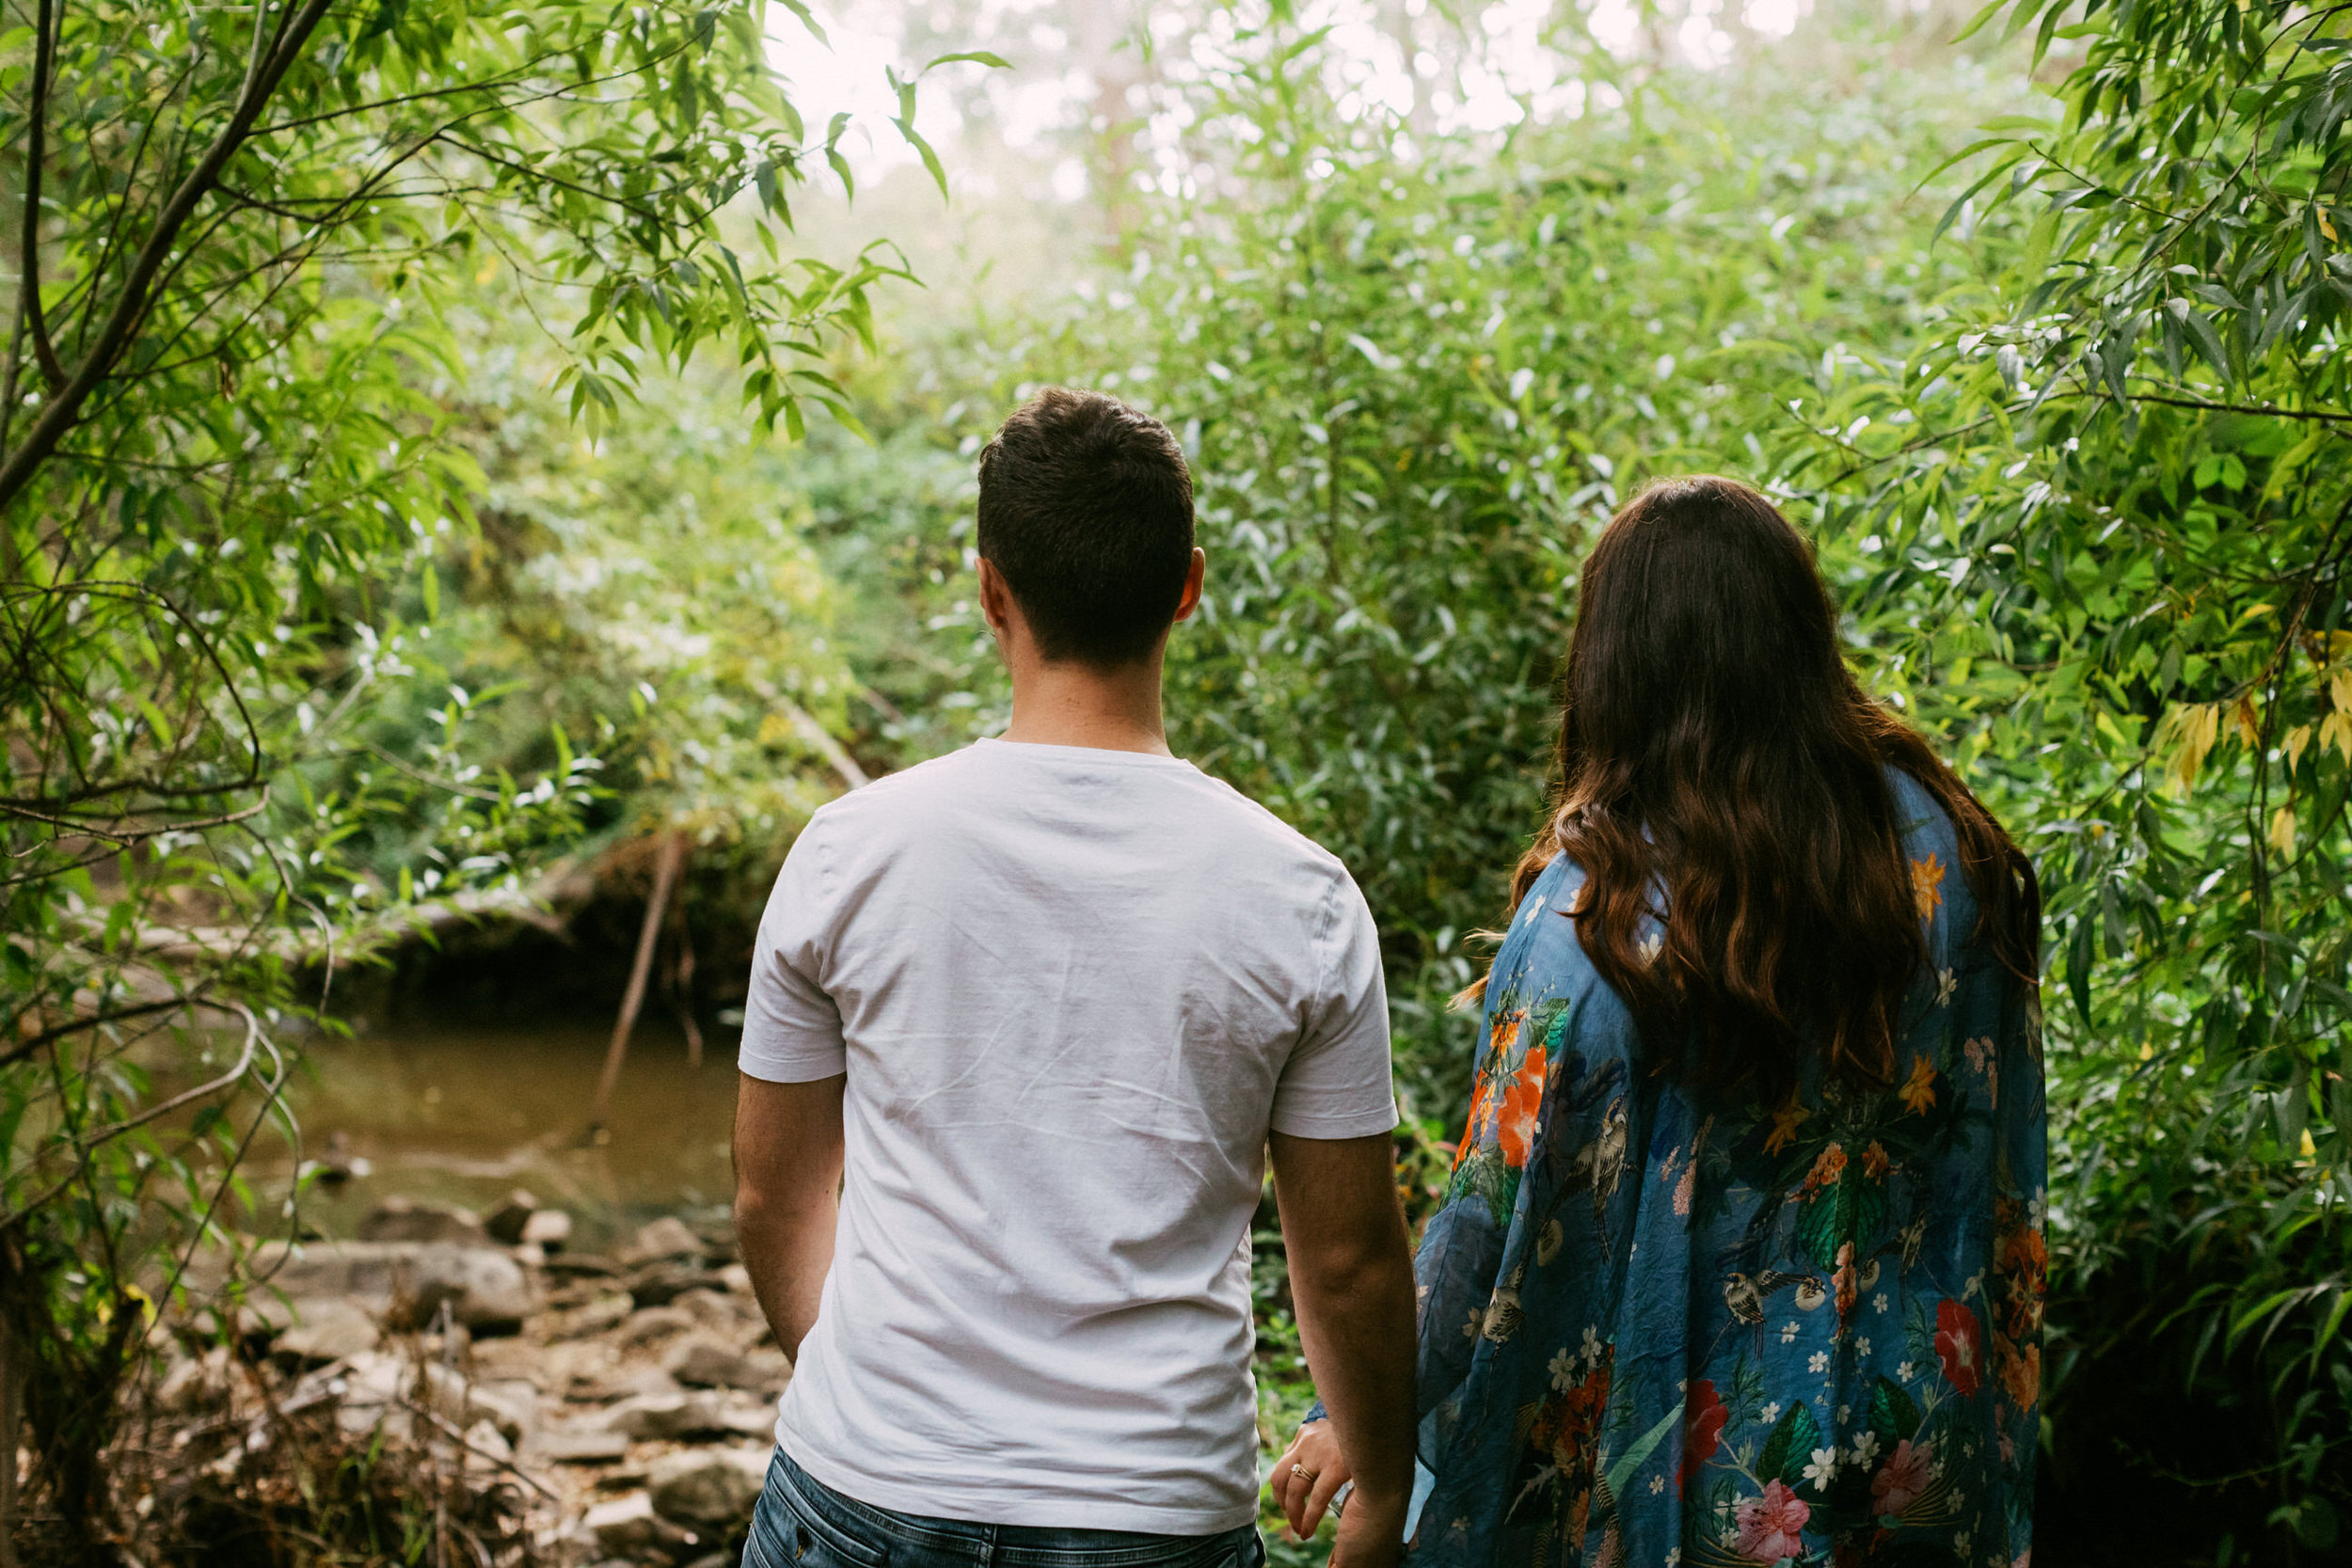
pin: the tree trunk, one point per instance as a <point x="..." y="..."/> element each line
<point x="665" y="874"/>
<point x="10" y="1382"/>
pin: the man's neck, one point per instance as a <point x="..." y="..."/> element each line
<point x="1075" y="705"/>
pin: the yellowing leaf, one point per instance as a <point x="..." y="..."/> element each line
<point x="2297" y="738"/>
<point x="2194" y="728"/>
<point x="2336" y="730"/>
<point x="2329" y="229"/>
<point x="2282" y="830"/>
<point x="2249" y="729"/>
<point x="2309" y="1149"/>
<point x="2147" y="1051"/>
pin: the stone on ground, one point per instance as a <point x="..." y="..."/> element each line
<point x="658" y="1284"/>
<point x="665" y="1237"/>
<point x="709" y="1488"/>
<point x="628" y="1528"/>
<point x="505" y="1223"/>
<point x="488" y="1291"/>
<point x="549" y="1229"/>
<point x="700" y="1361"/>
<point x="405" y="1219"/>
<point x="326" y="1329"/>
<point x="578" y="1446"/>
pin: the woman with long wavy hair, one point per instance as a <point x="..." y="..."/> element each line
<point x="1743" y="1260"/>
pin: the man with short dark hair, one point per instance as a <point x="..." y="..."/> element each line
<point x="1046" y="1001"/>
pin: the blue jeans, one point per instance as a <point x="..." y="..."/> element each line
<point x="802" y="1523"/>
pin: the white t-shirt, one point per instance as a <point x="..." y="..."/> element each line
<point x="1072" y="990"/>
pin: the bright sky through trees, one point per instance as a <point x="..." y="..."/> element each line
<point x="1497" y="66"/>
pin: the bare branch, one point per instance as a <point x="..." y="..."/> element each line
<point x="36" y="151"/>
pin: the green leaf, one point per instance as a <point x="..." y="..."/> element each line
<point x="1894" y="1415"/>
<point x="1791" y="1447"/>
<point x="1622" y="1470"/>
<point x="982" y="57"/>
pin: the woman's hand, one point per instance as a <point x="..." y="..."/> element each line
<point x="1307" y="1474"/>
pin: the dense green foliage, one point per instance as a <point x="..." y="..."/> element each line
<point x="225" y="476"/>
<point x="2106" y="517"/>
<point x="345" y="597"/>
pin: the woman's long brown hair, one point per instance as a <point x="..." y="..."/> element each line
<point x="1721" y="769"/>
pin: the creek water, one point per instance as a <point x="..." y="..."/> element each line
<point x="465" y="1114"/>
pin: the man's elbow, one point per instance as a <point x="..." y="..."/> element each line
<point x="1356" y="1266"/>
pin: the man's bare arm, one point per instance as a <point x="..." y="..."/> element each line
<point x="788" y="1187"/>
<point x="1351" y="1285"/>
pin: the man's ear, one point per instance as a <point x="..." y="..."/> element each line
<point x="995" y="599"/>
<point x="1190" y="600"/>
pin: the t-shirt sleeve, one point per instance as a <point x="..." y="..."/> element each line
<point x="1337" y="1083"/>
<point x="791" y="1029"/>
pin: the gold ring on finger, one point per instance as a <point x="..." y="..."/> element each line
<point x="1304" y="1474"/>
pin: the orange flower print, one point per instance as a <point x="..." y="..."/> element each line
<point x="2020" y="1371"/>
<point x="2024" y="1262"/>
<point x="1848" y="1286"/>
<point x="1919" y="1091"/>
<point x="1874" y="1160"/>
<point x="1514" y="1123"/>
<point x="1927" y="885"/>
<point x="1481" y="1097"/>
<point x="1785" y="1124"/>
<point x="1826" y="1168"/>
<point x="1506" y="1034"/>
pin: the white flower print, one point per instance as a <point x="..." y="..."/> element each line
<point x="1866" y="1449"/>
<point x="1902" y="1373"/>
<point x="1770" y="1413"/>
<point x="1862" y="1347"/>
<point x="1946" y="983"/>
<point x="1789" y="1334"/>
<point x="1562" y="1370"/>
<point x="1877" y="1303"/>
<point x="1674" y="1557"/>
<point x="1823" y="1469"/>
<point x="1820" y="1362"/>
<point x="1844" y="1413"/>
<point x="2038" y="1208"/>
<point x="1975" y="1285"/>
<point x="1477" y="1321"/>
<point x="1960" y="1541"/>
<point x="1592" y="1348"/>
<point x="1657" y="1484"/>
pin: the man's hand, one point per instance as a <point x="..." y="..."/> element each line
<point x="1352" y="1286"/>
<point x="1371" y="1531"/>
<point x="787" y="1190"/>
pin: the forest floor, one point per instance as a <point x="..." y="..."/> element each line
<point x="610" y="1408"/>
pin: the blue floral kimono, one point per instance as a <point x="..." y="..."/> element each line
<point x="1658" y="1334"/>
